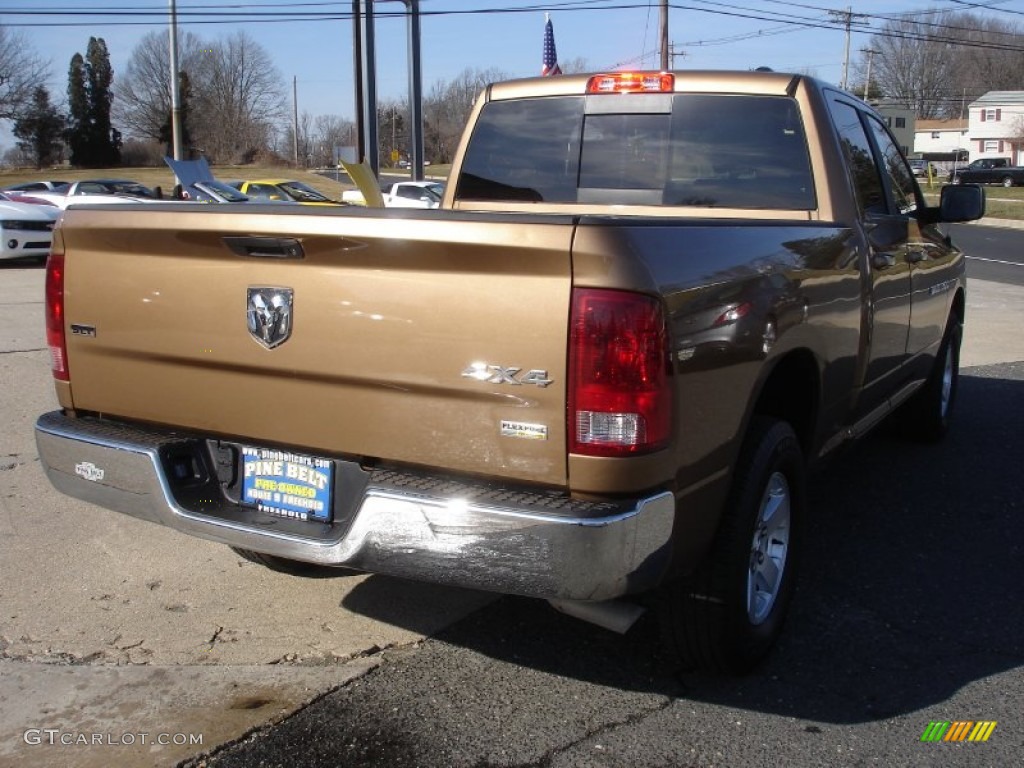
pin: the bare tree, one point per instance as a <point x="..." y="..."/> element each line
<point x="912" y="65"/>
<point x="238" y="97"/>
<point x="447" y="107"/>
<point x="142" y="103"/>
<point x="287" y="146"/>
<point x="21" y="70"/>
<point x="575" y="66"/>
<point x="331" y="131"/>
<point x="934" y="66"/>
<point x="992" y="57"/>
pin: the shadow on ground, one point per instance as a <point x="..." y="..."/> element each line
<point x="909" y="592"/>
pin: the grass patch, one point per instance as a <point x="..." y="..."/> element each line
<point x="1000" y="202"/>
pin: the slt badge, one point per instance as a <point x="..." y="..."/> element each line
<point x="269" y="315"/>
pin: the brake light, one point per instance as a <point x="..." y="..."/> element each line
<point x="55" y="337"/>
<point x="632" y="82"/>
<point x="732" y="315"/>
<point x="620" y="402"/>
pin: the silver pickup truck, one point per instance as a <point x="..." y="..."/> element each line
<point x="648" y="302"/>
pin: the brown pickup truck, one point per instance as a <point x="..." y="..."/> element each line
<point x="648" y="302"/>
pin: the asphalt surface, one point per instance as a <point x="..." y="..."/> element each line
<point x="908" y="612"/>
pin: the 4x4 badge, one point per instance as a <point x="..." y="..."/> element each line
<point x="499" y="374"/>
<point x="269" y="315"/>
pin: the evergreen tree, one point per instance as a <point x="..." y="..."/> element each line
<point x="93" y="141"/>
<point x="77" y="135"/>
<point x="100" y="77"/>
<point x="40" y="129"/>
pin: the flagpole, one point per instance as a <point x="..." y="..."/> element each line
<point x="176" y="148"/>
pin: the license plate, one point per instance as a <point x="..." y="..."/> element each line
<point x="287" y="484"/>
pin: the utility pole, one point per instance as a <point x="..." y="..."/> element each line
<point x="175" y="95"/>
<point x="847" y="18"/>
<point x="867" y="82"/>
<point x="295" y="119"/>
<point x="673" y="55"/>
<point x="663" y="37"/>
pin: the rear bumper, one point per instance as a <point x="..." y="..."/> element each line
<point x="429" y="529"/>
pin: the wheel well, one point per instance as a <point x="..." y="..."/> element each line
<point x="958" y="305"/>
<point x="791" y="393"/>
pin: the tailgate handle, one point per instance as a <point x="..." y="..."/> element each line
<point x="265" y="247"/>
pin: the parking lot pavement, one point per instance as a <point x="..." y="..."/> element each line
<point x="988" y="334"/>
<point x="114" y="626"/>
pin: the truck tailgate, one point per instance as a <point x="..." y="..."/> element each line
<point x="400" y="322"/>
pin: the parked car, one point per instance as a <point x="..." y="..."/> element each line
<point x="413" y="194"/>
<point x="922" y="168"/>
<point x="196" y="183"/>
<point x="213" y="191"/>
<point x="403" y="194"/>
<point x="592" y="374"/>
<point x="19" y="197"/>
<point x="283" y="189"/>
<point x="26" y="230"/>
<point x="96" y="191"/>
<point x="989" y="170"/>
<point x="37" y="186"/>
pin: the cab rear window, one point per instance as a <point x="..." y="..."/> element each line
<point x="704" y="150"/>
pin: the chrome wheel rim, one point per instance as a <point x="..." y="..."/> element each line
<point x="947" y="382"/>
<point x="769" y="548"/>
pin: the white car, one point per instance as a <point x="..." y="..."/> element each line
<point x="413" y="194"/>
<point x="99" y="191"/>
<point x="26" y="230"/>
<point x="38" y="186"/>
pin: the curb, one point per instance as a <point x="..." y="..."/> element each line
<point x="1005" y="223"/>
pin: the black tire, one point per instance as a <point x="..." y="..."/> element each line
<point x="292" y="567"/>
<point x="927" y="416"/>
<point x="1007" y="181"/>
<point x="716" y="619"/>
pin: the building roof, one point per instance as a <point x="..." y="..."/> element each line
<point x="941" y="125"/>
<point x="1001" y="98"/>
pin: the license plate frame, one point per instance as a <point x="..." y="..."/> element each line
<point x="291" y="485"/>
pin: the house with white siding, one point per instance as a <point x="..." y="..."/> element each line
<point x="996" y="126"/>
<point x="941" y="140"/>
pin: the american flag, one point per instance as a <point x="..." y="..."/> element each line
<point x="550" y="54"/>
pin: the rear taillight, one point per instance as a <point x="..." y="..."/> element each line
<point x="55" y="337"/>
<point x="620" y="402"/>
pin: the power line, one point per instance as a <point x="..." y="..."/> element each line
<point x="284" y="11"/>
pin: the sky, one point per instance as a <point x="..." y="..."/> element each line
<point x="310" y="42"/>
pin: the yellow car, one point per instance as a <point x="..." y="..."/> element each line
<point x="283" y="189"/>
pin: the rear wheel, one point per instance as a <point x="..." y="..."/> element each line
<point x="1007" y="181"/>
<point x="927" y="415"/>
<point x="726" y="615"/>
<point x="291" y="567"/>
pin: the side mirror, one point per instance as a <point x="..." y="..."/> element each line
<point x="961" y="202"/>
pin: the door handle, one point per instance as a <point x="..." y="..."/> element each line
<point x="265" y="247"/>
